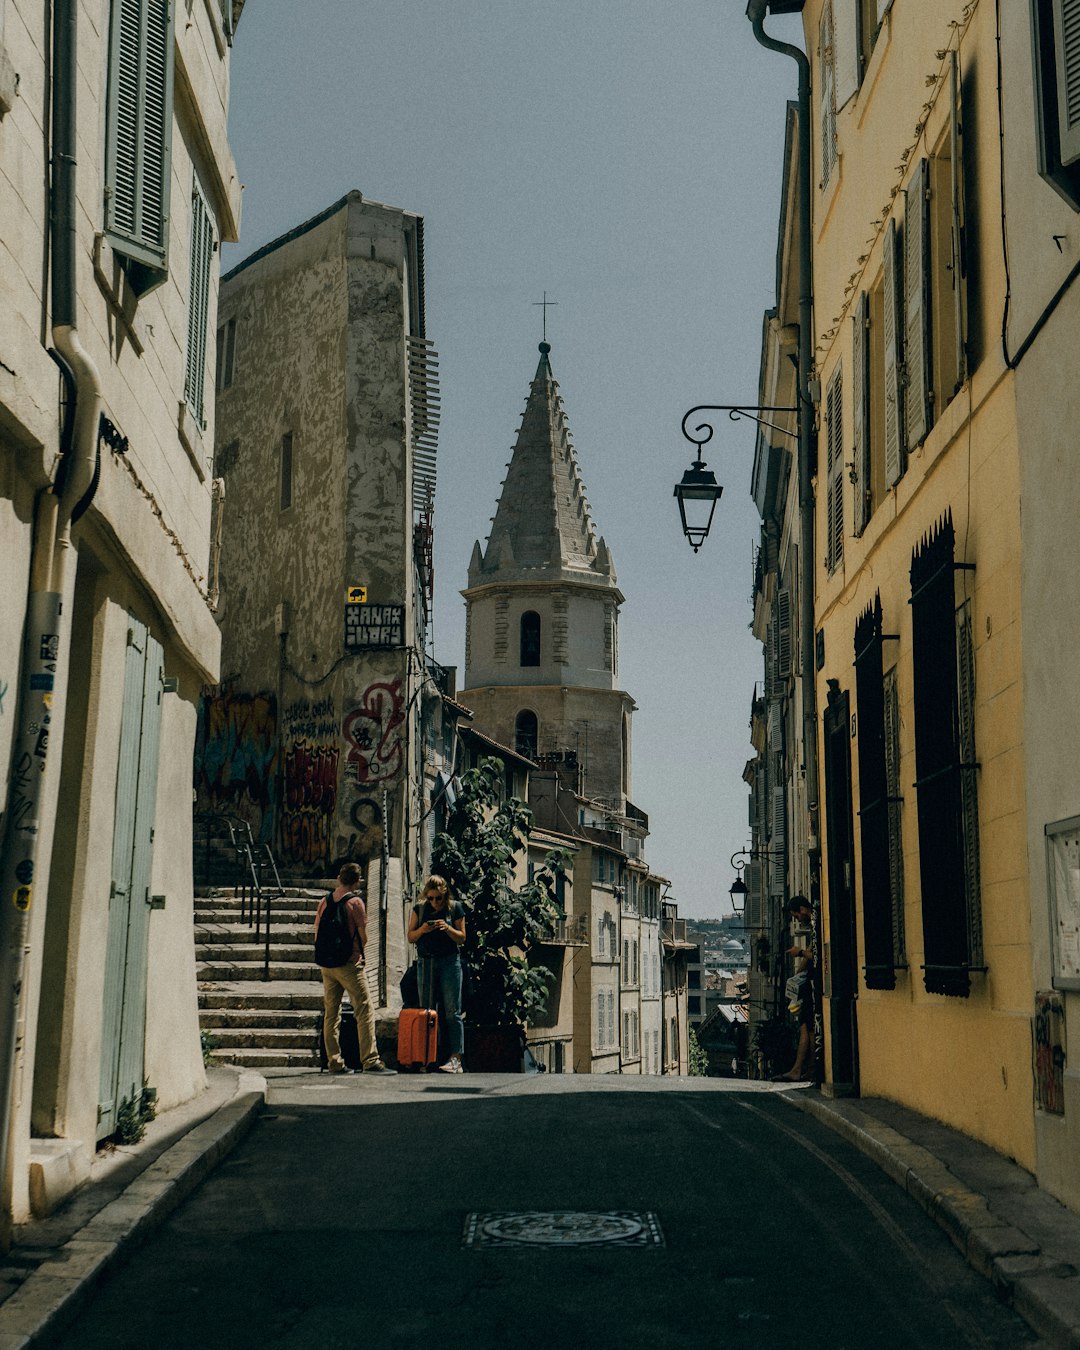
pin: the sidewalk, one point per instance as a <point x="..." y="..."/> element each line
<point x="1008" y="1229"/>
<point x="55" y="1263"/>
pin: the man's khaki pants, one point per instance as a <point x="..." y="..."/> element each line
<point x="339" y="980"/>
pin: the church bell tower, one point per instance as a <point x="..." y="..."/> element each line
<point x="542" y="606"/>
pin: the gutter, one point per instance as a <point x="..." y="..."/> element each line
<point x="755" y="12"/>
<point x="58" y="506"/>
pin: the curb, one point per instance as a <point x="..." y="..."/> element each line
<point x="1044" y="1291"/>
<point x="50" y="1298"/>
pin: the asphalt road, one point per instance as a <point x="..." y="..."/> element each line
<point x="339" y="1222"/>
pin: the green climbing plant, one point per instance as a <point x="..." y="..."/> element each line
<point x="477" y="854"/>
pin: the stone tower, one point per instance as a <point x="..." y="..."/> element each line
<point x="541" y="655"/>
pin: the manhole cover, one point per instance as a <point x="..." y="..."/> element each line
<point x="563" y="1228"/>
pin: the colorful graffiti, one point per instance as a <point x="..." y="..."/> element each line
<point x="311" y="782"/>
<point x="236" y="758"/>
<point x="373" y="732"/>
<point x="1049" y="1033"/>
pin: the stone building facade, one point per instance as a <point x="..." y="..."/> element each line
<point x="325" y="448"/>
<point x="106" y="429"/>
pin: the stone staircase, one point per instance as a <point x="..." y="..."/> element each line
<point x="251" y="1021"/>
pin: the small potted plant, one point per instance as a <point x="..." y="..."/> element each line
<point x="477" y="854"/>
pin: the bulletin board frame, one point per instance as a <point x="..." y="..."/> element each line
<point x="1063" y="887"/>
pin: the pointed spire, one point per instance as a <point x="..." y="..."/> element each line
<point x="476" y="564"/>
<point x="542" y="522"/>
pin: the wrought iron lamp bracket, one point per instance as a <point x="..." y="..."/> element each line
<point x="735" y="411"/>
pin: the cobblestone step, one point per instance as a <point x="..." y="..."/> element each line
<point x="267" y="1059"/>
<point x="217" y="933"/>
<point x="263" y="1019"/>
<point x="264" y="1038"/>
<point x="254" y="997"/>
<point x="280" y="952"/>
<point x="303" y="918"/>
<point x="229" y="970"/>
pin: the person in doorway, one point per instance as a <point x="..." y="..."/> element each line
<point x="799" y="911"/>
<point x="437" y="926"/>
<point x="343" y="917"/>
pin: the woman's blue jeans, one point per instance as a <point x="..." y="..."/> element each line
<point x="438" y="979"/>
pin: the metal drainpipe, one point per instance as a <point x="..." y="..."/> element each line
<point x="57" y="506"/>
<point x="755" y="12"/>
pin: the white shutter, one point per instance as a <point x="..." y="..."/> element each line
<point x="845" y="50"/>
<point x="892" y="325"/>
<point x="139" y="129"/>
<point x="202" y="257"/>
<point x="916" y="316"/>
<point x="860" y="395"/>
<point x="1067" y="56"/>
<point x="827" y="104"/>
<point x="783" y="631"/>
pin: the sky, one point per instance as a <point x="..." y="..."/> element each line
<point x="623" y="156"/>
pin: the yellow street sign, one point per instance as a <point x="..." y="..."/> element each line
<point x="356" y="595"/>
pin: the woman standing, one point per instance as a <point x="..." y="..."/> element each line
<point x="437" y="926"/>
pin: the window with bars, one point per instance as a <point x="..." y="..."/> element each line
<point x="138" y="137"/>
<point x="834" y="488"/>
<point x="878" y="802"/>
<point x="945" y="766"/>
<point x="202" y="259"/>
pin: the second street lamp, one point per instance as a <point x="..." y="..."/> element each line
<point x="699" y="491"/>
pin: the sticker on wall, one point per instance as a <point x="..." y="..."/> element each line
<point x="356" y="595"/>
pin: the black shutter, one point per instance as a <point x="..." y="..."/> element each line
<point x="873" y="801"/>
<point x="937" y="764"/>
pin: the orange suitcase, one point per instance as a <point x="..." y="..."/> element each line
<point x="417" y="1038"/>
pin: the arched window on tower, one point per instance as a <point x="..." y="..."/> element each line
<point x="526" y="734"/>
<point x="530" y="638"/>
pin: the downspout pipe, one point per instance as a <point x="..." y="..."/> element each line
<point x="756" y="11"/>
<point x="41" y="672"/>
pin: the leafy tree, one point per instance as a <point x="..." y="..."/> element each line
<point x="477" y="855"/>
<point x="699" y="1060"/>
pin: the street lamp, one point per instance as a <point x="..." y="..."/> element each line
<point x="738" y="890"/>
<point x="699" y="491"/>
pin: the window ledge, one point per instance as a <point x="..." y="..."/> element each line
<point x="114" y="285"/>
<point x="191" y="438"/>
<point x="9" y="84"/>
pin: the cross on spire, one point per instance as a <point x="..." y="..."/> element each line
<point x="545" y="304"/>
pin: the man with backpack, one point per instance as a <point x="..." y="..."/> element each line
<point x="340" y="934"/>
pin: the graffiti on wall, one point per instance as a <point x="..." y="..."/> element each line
<point x="3" y="695"/>
<point x="1050" y="1052"/>
<point x="365" y="841"/>
<point x="236" y="757"/>
<point x="311" y="769"/>
<point x="373" y="732"/>
<point x="309" y="735"/>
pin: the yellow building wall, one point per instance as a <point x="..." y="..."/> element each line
<point x="965" y="1061"/>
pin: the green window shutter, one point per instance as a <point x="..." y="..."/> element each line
<point x="138" y="135"/>
<point x="892" y="325"/>
<point x="860" y="394"/>
<point x="1067" y="56"/>
<point x="916" y="308"/>
<point x="202" y="255"/>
